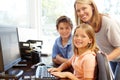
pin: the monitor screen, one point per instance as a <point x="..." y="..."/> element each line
<point x="9" y="48"/>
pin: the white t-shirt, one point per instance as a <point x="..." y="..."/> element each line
<point x="108" y="38"/>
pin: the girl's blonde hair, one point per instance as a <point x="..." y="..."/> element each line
<point x="91" y="34"/>
<point x="96" y="18"/>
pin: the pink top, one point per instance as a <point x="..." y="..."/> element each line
<point x="84" y="65"/>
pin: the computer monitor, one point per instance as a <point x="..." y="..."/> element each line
<point x="9" y="48"/>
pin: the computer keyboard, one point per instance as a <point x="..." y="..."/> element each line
<point x="43" y="74"/>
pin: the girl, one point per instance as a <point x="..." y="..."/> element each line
<point x="84" y="59"/>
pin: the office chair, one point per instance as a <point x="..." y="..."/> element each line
<point x="104" y="71"/>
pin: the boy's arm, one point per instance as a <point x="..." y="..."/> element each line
<point x="59" y="60"/>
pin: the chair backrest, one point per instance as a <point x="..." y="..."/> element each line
<point x="104" y="71"/>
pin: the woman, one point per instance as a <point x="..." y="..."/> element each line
<point x="107" y="31"/>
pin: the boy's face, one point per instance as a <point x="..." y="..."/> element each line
<point x="64" y="29"/>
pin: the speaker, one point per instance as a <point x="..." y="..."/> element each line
<point x="36" y="58"/>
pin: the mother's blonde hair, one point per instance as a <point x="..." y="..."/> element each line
<point x="96" y="17"/>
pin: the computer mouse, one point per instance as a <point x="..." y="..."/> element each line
<point x="40" y="64"/>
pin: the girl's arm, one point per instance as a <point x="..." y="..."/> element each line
<point x="67" y="75"/>
<point x="62" y="67"/>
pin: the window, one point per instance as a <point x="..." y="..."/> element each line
<point x="52" y="9"/>
<point x="15" y="12"/>
<point x="110" y="7"/>
<point x="41" y="15"/>
<point x="20" y="13"/>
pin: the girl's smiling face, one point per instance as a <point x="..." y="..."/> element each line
<point x="81" y="39"/>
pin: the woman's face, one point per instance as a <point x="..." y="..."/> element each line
<point x="84" y="11"/>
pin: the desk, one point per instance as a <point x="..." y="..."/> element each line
<point x="29" y="73"/>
